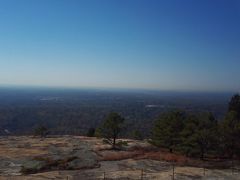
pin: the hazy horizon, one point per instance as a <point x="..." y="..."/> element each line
<point x="151" y="45"/>
<point x="111" y="89"/>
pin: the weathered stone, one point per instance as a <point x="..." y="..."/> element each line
<point x="8" y="167"/>
<point x="80" y="164"/>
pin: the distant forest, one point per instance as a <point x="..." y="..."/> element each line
<point x="65" y="111"/>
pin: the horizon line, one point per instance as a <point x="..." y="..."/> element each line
<point x="115" y="89"/>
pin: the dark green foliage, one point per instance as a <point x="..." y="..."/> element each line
<point x="167" y="129"/>
<point x="234" y="105"/>
<point x="230" y="131"/>
<point x="193" y="135"/>
<point x="98" y="132"/>
<point x="111" y="128"/>
<point x="122" y="143"/>
<point x="91" y="132"/>
<point x="137" y="135"/>
<point x="188" y="140"/>
<point x="41" y="131"/>
<point x="199" y="135"/>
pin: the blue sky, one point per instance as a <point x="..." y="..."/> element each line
<point x="147" y="44"/>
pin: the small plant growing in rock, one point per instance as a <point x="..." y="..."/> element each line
<point x="122" y="143"/>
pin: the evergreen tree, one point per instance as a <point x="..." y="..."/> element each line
<point x="199" y="135"/>
<point x="111" y="128"/>
<point x="206" y="134"/>
<point x="188" y="143"/>
<point x="234" y="105"/>
<point x="167" y="129"/>
<point x="230" y="130"/>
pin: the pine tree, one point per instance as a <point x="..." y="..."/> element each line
<point x="111" y="128"/>
<point x="234" y="105"/>
<point x="230" y="130"/>
<point x="167" y="129"/>
<point x="199" y="135"/>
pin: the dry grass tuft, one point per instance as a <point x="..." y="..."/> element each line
<point x="118" y="155"/>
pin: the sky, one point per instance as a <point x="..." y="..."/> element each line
<point x="147" y="44"/>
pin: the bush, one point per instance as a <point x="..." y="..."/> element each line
<point x="91" y="132"/>
<point x="41" y="131"/>
<point x="122" y="143"/>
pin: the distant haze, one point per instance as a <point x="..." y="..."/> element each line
<point x="167" y="45"/>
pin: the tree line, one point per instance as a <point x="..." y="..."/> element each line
<point x="200" y="135"/>
<point x="194" y="135"/>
